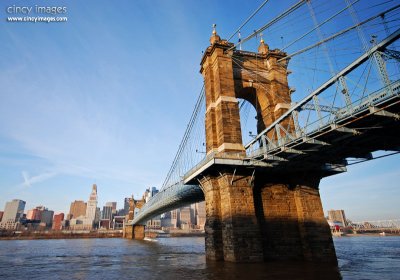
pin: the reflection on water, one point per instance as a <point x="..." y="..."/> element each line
<point x="174" y="258"/>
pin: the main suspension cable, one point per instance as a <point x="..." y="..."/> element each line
<point x="248" y="19"/>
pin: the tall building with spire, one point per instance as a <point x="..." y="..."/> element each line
<point x="91" y="206"/>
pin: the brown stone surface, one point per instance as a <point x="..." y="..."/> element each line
<point x="138" y="232"/>
<point x="261" y="217"/>
<point x="134" y="232"/>
<point x="128" y="232"/>
<point x="222" y="111"/>
<point x="314" y="229"/>
<point x="280" y="232"/>
<point x="257" y="78"/>
<point x="292" y="223"/>
<point x="232" y="231"/>
<point x="240" y="230"/>
<point x="213" y="226"/>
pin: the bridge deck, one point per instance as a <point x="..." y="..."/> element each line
<point x="357" y="135"/>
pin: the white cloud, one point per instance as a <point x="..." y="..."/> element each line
<point x="29" y="181"/>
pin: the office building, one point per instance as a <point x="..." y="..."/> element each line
<point x="77" y="209"/>
<point x="113" y="206"/>
<point x="175" y="218"/>
<point x="58" y="221"/>
<point x="46" y="218"/>
<point x="118" y="222"/>
<point x="185" y="217"/>
<point x="154" y="191"/>
<point x="104" y="224"/>
<point x="200" y="214"/>
<point x="13" y="211"/>
<point x="150" y="192"/>
<point x="34" y="214"/>
<point x="154" y="223"/>
<point x="126" y="207"/>
<point x="337" y="216"/>
<point x="107" y="213"/>
<point x="166" y="220"/>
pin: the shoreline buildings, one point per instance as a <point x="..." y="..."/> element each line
<point x="87" y="216"/>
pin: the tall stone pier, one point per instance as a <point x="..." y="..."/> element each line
<point x="252" y="215"/>
<point x="134" y="231"/>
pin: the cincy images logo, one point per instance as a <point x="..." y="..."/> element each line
<point x="36" y="13"/>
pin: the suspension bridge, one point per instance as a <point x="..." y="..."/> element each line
<point x="322" y="99"/>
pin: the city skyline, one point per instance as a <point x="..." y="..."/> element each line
<point x="81" y="107"/>
<point x="88" y="216"/>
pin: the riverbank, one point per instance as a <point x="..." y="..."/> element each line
<point x="187" y="234"/>
<point x="32" y="235"/>
<point x="59" y="235"/>
<point x="372" y="234"/>
<point x="367" y="234"/>
<point x="118" y="234"/>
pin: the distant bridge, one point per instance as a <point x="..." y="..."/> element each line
<point x="388" y="226"/>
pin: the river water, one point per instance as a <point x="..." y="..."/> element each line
<point x="363" y="257"/>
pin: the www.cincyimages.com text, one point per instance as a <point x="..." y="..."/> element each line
<point x="36" y="13"/>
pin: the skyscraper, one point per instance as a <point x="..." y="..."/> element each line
<point x="107" y="212"/>
<point x="92" y="204"/>
<point x="47" y="217"/>
<point x="126" y="206"/>
<point x="200" y="214"/>
<point x="77" y="209"/>
<point x="113" y="206"/>
<point x="154" y="191"/>
<point x="149" y="193"/>
<point x="13" y="211"/>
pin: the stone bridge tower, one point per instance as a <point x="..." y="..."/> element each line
<point x="253" y="215"/>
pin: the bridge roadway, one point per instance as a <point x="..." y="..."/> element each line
<point x="367" y="129"/>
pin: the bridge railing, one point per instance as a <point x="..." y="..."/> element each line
<point x="334" y="117"/>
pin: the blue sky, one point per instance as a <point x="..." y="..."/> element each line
<point x="105" y="98"/>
